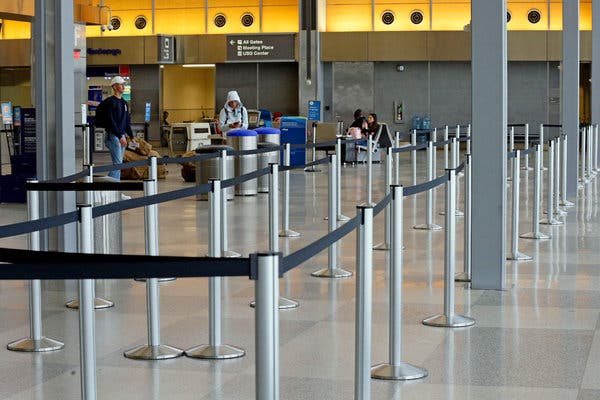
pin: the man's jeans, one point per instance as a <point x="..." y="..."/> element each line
<point x="116" y="153"/>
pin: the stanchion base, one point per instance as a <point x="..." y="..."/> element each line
<point x="428" y="227"/>
<point x="342" y="218"/>
<point x="566" y="203"/>
<point x="535" y="235"/>
<point x="462" y="277"/>
<point x="551" y="221"/>
<point x="219" y="352"/>
<point x="526" y="169"/>
<point x="311" y="169"/>
<point x="442" y="321"/>
<point x="230" y="254"/>
<point x="560" y="212"/>
<point x="288" y="233"/>
<point x="284" y="304"/>
<point x="400" y="372"/>
<point x="519" y="257"/>
<point x="381" y="246"/>
<point x="159" y="279"/>
<point x="147" y="352"/>
<point x="99" y="304"/>
<point x="457" y="213"/>
<point x="332" y="273"/>
<point x="367" y="204"/>
<point x="35" y="346"/>
<point x="261" y="190"/>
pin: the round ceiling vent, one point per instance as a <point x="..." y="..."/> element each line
<point x="534" y="16"/>
<point x="141" y="22"/>
<point x="220" y="20"/>
<point x="388" y="17"/>
<point x="247" y="19"/>
<point x="508" y="16"/>
<point x="416" y="17"/>
<point x="116" y="23"/>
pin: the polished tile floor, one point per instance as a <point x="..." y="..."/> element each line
<point x="538" y="339"/>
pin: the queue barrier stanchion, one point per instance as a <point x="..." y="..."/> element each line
<point x="364" y="304"/>
<point x="312" y="168"/>
<point x="449" y="319"/>
<point x="465" y="276"/>
<point x="369" y="171"/>
<point x="332" y="270"/>
<point x="284" y="303"/>
<point x="87" y="330"/>
<point x="87" y="146"/>
<point x="550" y="220"/>
<point x="429" y="224"/>
<point x="413" y="156"/>
<point x="469" y="139"/>
<point x="338" y="151"/>
<point x="596" y="138"/>
<point x="154" y="349"/>
<point x="214" y="349"/>
<point x="563" y="164"/>
<point x="36" y="342"/>
<point x="526" y="166"/>
<point x="285" y="217"/>
<point x="397" y="160"/>
<point x="225" y="252"/>
<point x="153" y="175"/>
<point x="557" y="177"/>
<point x="266" y="292"/>
<point x="385" y="245"/>
<point x="395" y="369"/>
<point x="434" y="139"/>
<point x="446" y="159"/>
<point x="535" y="231"/>
<point x="511" y="148"/>
<point x="542" y="143"/>
<point x="454" y="150"/>
<point x="590" y="170"/>
<point x="583" y="140"/>
<point x="515" y="254"/>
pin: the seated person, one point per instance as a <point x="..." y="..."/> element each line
<point x="372" y="125"/>
<point x="359" y="120"/>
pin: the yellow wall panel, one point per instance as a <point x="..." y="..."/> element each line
<point x="519" y="11"/>
<point x="16" y="30"/>
<point x="556" y="16"/>
<point x="234" y="20"/>
<point x="186" y="21"/>
<point x="293" y="3"/>
<point x="450" y="15"/>
<point x="342" y="18"/>
<point x="128" y="28"/>
<point x="280" y="18"/>
<point x="585" y="17"/>
<point x="232" y="3"/>
<point x="402" y="17"/>
<point x="188" y="93"/>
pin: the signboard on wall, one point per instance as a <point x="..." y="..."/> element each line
<point x="314" y="110"/>
<point x="28" y="133"/>
<point x="166" y="49"/>
<point x="261" y="48"/>
<point x="7" y="116"/>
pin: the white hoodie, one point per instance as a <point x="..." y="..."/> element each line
<point x="230" y="115"/>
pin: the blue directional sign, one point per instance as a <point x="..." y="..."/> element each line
<point x="314" y="110"/>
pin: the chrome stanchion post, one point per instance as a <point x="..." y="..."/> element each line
<point x="312" y="168"/>
<point x="526" y="147"/>
<point x="396" y="369"/>
<point x="434" y="140"/>
<point x="563" y="166"/>
<point x="456" y="162"/>
<point x="332" y="270"/>
<point x="397" y="159"/>
<point x="550" y="220"/>
<point x="369" y="170"/>
<point x="596" y="138"/>
<point x="285" y="215"/>
<point x="413" y="156"/>
<point x="87" y="159"/>
<point x="284" y="303"/>
<point x="446" y="160"/>
<point x="225" y="252"/>
<point x="364" y="304"/>
<point x="535" y="231"/>
<point x="338" y="152"/>
<point x="465" y="276"/>
<point x="214" y="349"/>
<point x="87" y="334"/>
<point x="266" y="292"/>
<point x="590" y="171"/>
<point x="515" y="254"/>
<point x="542" y="143"/>
<point x="582" y="159"/>
<point x="429" y="224"/>
<point x="557" y="178"/>
<point x="449" y="319"/>
<point x="511" y="148"/>
<point x="385" y="245"/>
<point x="36" y="342"/>
<point x="154" y="350"/>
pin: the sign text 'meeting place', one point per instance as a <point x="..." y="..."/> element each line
<point x="260" y="48"/>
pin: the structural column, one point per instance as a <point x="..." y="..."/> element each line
<point x="595" y="61"/>
<point x="53" y="88"/>
<point x="570" y="89"/>
<point x="489" y="74"/>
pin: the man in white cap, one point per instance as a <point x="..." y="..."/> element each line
<point x="233" y="114"/>
<point x="113" y="115"/>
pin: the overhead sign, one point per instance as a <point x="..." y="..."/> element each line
<point x="102" y="52"/>
<point x="7" y="116"/>
<point x="166" y="49"/>
<point x="314" y="110"/>
<point x="261" y="48"/>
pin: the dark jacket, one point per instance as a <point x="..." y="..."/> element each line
<point x="371" y="129"/>
<point x="358" y="123"/>
<point x="117" y="118"/>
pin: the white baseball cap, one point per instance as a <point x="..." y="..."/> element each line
<point x="117" y="80"/>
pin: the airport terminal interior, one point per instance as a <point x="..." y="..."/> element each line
<point x="492" y="144"/>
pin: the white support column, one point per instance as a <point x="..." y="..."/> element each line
<point x="489" y="144"/>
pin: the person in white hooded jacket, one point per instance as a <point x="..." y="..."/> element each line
<point x="233" y="115"/>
